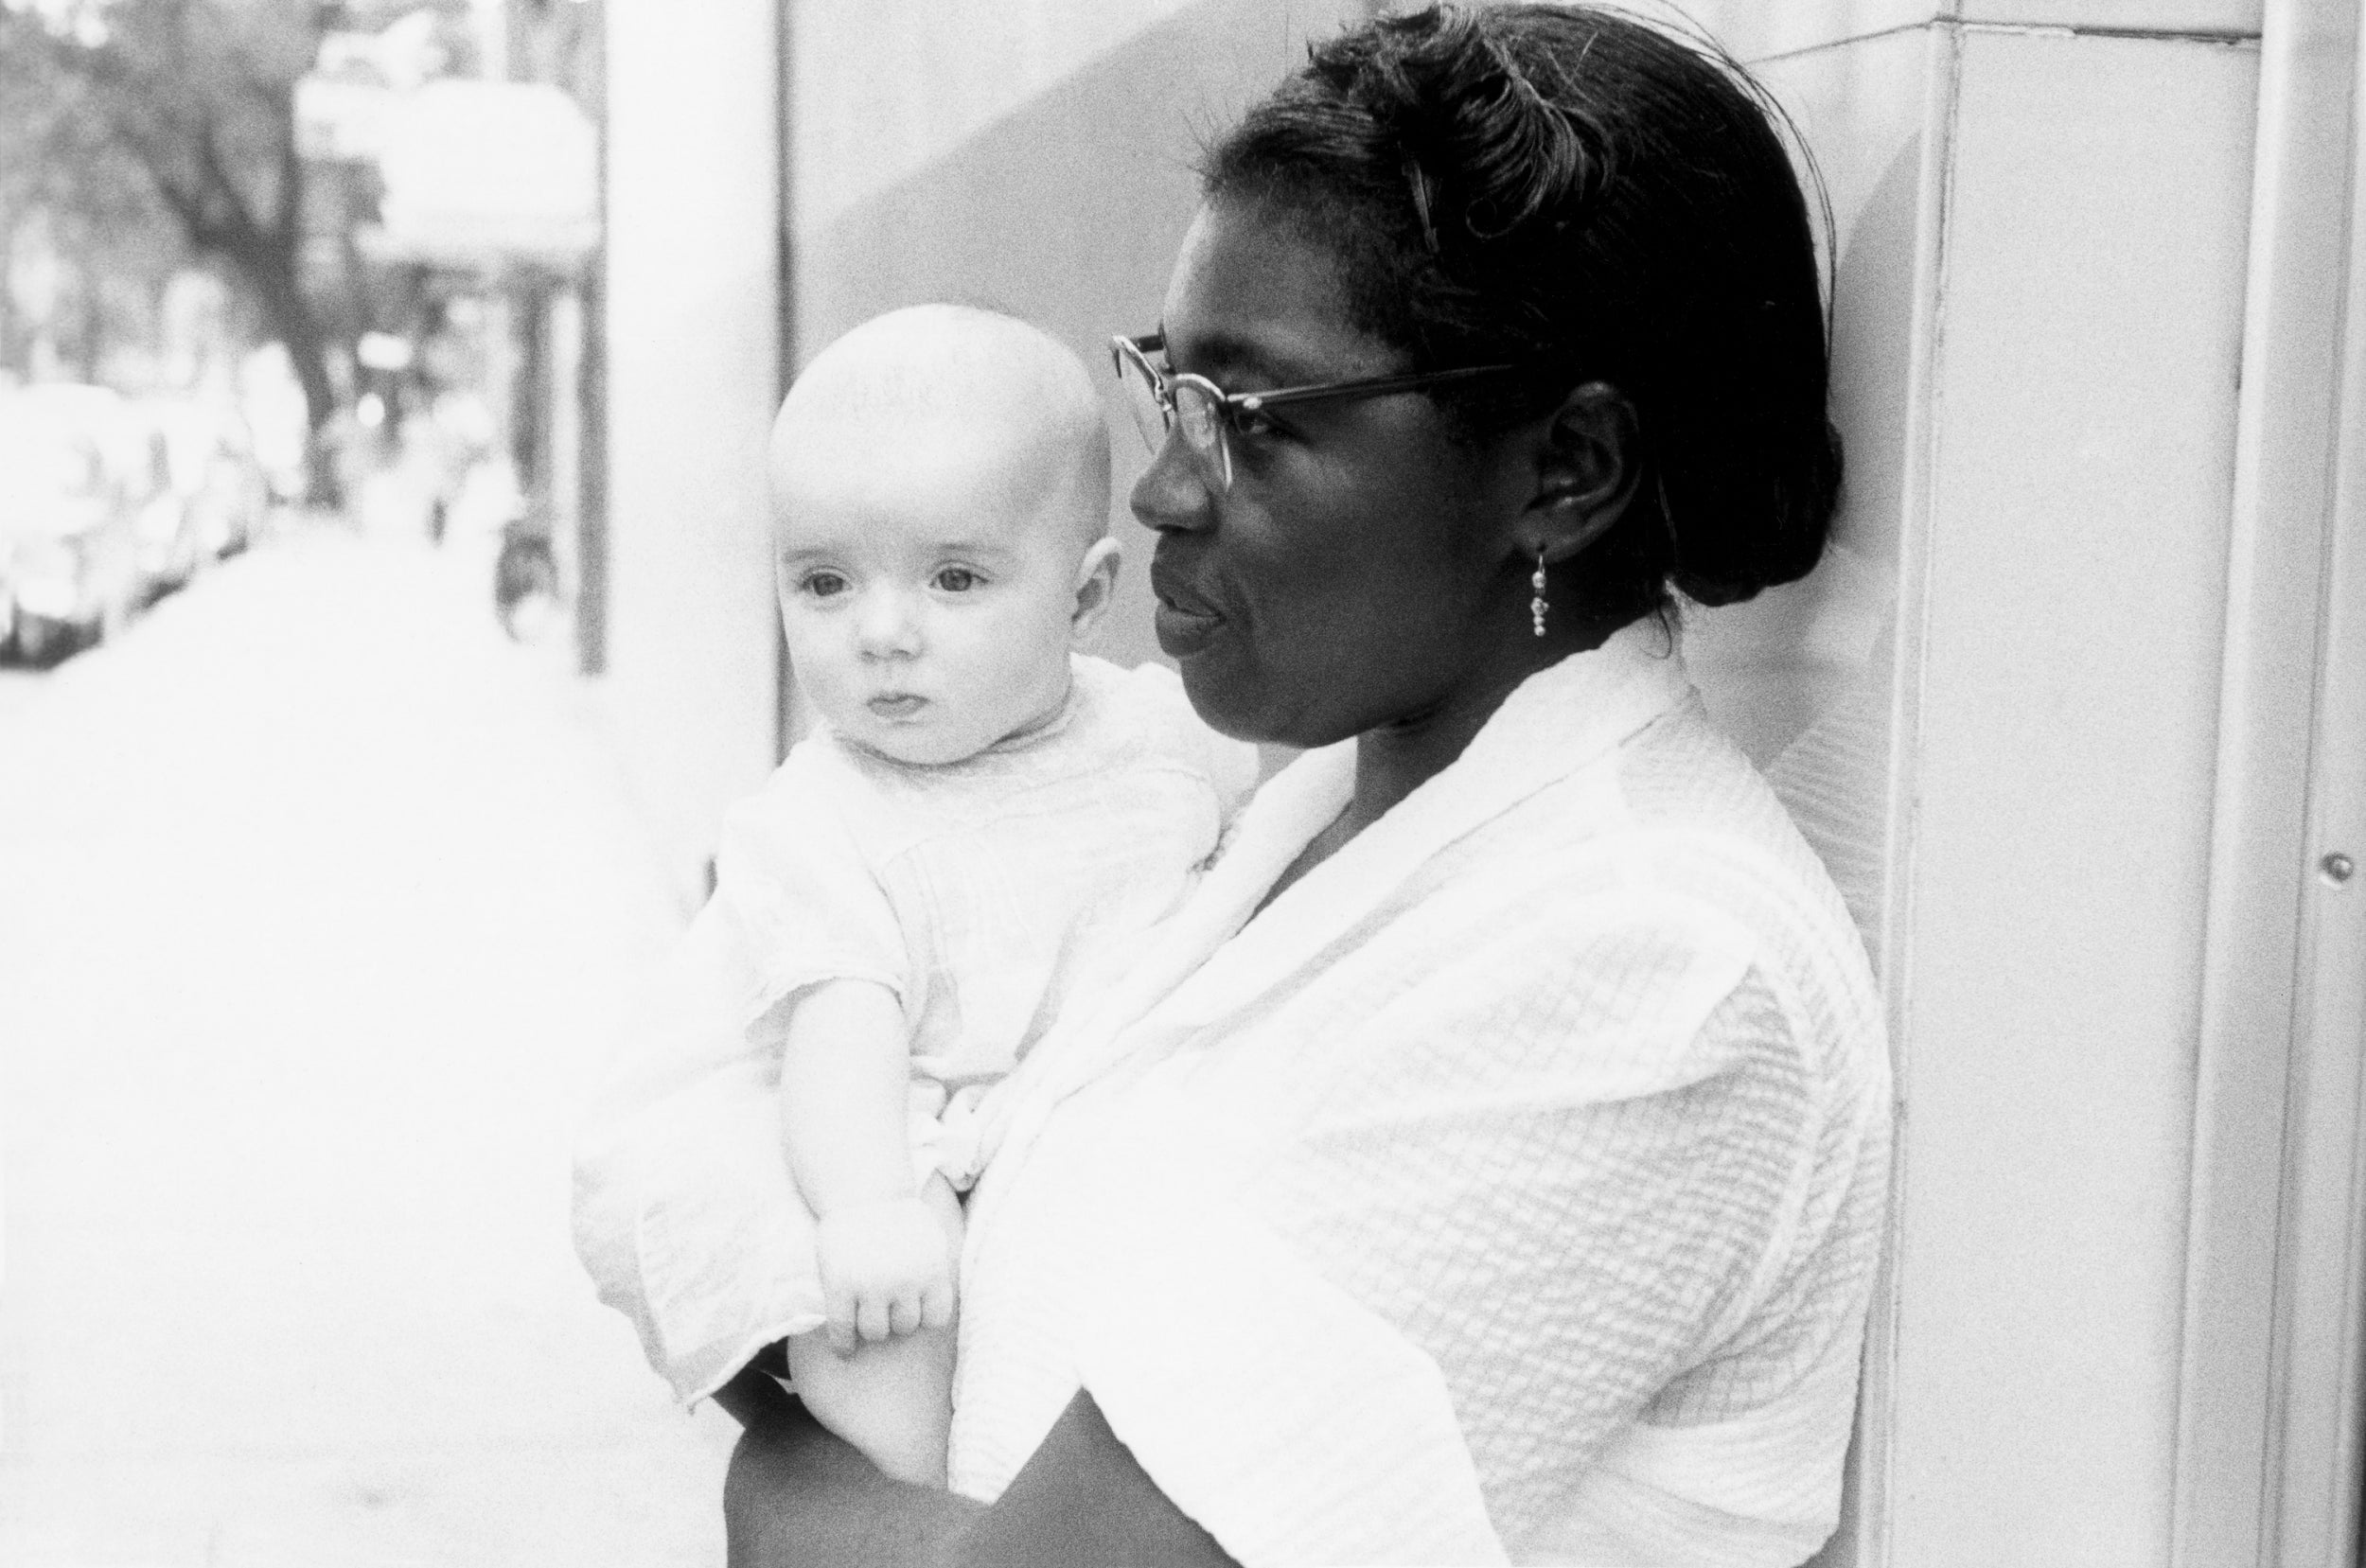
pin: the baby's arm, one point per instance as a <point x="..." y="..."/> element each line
<point x="845" y="1071"/>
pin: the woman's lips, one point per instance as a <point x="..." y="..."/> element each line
<point x="1185" y="631"/>
<point x="1184" y="623"/>
<point x="896" y="705"/>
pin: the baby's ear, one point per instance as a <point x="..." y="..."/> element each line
<point x="1096" y="584"/>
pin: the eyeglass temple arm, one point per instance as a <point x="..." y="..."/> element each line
<point x="1147" y="344"/>
<point x="1378" y="387"/>
<point x="1153" y="342"/>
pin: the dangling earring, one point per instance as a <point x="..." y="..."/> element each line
<point x="1536" y="604"/>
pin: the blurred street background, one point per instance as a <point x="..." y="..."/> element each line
<point x="320" y="903"/>
<point x="321" y="883"/>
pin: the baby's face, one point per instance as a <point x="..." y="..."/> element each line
<point x="927" y="600"/>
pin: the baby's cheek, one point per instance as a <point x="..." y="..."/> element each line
<point x="825" y="682"/>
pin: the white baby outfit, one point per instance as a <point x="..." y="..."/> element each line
<point x="984" y="894"/>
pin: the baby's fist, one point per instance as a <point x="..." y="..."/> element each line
<point x="887" y="1268"/>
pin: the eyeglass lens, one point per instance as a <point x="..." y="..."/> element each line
<point x="1142" y="399"/>
<point x="1185" y="401"/>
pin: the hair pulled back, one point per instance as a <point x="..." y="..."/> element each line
<point x="1578" y="192"/>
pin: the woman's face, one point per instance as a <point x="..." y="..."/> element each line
<point x="1348" y="577"/>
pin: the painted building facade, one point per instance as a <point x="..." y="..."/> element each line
<point x="2075" y="709"/>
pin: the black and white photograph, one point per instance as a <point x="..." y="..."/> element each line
<point x="1202" y="784"/>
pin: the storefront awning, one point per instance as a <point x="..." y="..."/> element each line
<point x="488" y="174"/>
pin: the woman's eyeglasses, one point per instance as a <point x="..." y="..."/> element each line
<point x="1163" y="400"/>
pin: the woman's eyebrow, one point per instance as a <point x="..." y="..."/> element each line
<point x="1218" y="354"/>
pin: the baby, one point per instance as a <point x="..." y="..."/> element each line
<point x="982" y="820"/>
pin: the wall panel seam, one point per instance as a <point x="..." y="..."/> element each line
<point x="1928" y="337"/>
<point x="1807" y="51"/>
<point x="2225" y="37"/>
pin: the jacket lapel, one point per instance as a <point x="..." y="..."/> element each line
<point x="1195" y="973"/>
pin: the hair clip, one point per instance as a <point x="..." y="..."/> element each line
<point x="1420" y="203"/>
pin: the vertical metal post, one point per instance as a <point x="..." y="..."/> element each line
<point x="784" y="703"/>
<point x="2253" y="1066"/>
<point x="592" y="533"/>
<point x="531" y="389"/>
<point x="2321" y="1278"/>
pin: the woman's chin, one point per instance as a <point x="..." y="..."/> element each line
<point x="1230" y="705"/>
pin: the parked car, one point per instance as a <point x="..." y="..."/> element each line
<point x="71" y="459"/>
<point x="223" y="495"/>
<point x="163" y="525"/>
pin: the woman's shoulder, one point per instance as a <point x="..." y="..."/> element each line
<point x="1684" y="780"/>
<point x="1709" y="831"/>
<point x="1676" y="826"/>
<point x="1674" y="780"/>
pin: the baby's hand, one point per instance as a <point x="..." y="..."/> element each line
<point x="885" y="1269"/>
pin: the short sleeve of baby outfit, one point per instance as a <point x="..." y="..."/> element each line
<point x="794" y="884"/>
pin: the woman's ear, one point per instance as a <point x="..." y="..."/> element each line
<point x="1096" y="583"/>
<point x="1588" y="468"/>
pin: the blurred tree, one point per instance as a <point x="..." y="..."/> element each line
<point x="80" y="230"/>
<point x="181" y="114"/>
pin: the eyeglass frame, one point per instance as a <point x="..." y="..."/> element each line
<point x="1231" y="405"/>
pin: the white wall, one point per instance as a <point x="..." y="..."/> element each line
<point x="692" y="306"/>
<point x="2041" y="272"/>
<point x="1034" y="158"/>
<point x="882" y="91"/>
<point x="2073" y="604"/>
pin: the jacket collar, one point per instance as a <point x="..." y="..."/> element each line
<point x="1554" y="723"/>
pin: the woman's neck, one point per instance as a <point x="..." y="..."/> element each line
<point x="1393" y="760"/>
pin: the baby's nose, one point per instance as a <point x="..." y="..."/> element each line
<point x="889" y="627"/>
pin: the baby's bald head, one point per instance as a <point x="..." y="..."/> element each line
<point x="935" y="385"/>
<point x="940" y="497"/>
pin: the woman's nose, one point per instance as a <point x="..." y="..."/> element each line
<point x="1173" y="493"/>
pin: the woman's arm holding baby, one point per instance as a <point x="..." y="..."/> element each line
<point x="845" y="1077"/>
<point x="798" y="1496"/>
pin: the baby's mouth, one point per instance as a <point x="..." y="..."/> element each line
<point x="896" y="704"/>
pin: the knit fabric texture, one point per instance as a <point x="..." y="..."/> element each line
<point x="984" y="894"/>
<point x="1509" y="1188"/>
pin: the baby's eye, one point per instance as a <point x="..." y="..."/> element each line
<point x="957" y="579"/>
<point x="822" y="585"/>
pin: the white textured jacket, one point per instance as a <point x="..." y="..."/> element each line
<point x="1509" y="1189"/>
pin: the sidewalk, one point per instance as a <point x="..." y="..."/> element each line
<point x="317" y="901"/>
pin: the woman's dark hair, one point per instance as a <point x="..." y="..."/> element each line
<point x="1578" y="192"/>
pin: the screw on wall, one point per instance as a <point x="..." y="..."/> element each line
<point x="2337" y="867"/>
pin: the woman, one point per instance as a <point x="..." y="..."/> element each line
<point x="1491" y="1165"/>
